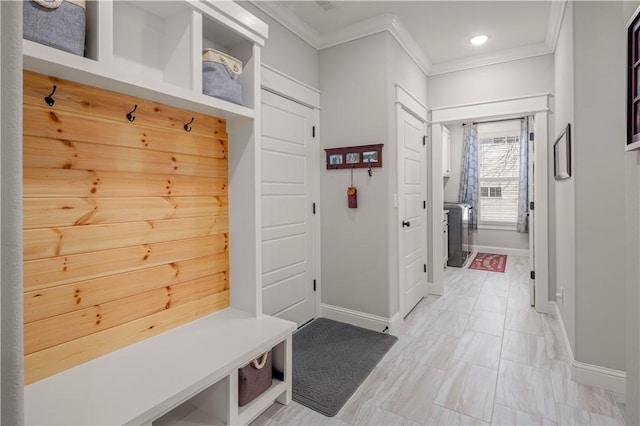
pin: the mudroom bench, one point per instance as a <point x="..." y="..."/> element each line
<point x="187" y="375"/>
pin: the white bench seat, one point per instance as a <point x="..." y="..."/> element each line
<point x="142" y="382"/>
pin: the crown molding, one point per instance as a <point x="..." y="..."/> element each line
<point x="493" y="58"/>
<point x="392" y="24"/>
<point x="375" y="25"/>
<point x="554" y="24"/>
<point x="290" y="21"/>
<point x="360" y="29"/>
<point x="410" y="46"/>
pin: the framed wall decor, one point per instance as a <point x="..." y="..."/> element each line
<point x="562" y="155"/>
<point x="354" y="157"/>
<point x="335" y="159"/>
<point x="633" y="82"/>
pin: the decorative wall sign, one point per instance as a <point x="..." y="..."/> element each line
<point x="364" y="156"/>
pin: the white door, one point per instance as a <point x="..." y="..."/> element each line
<point x="532" y="260"/>
<point x="287" y="209"/>
<point x="412" y="195"/>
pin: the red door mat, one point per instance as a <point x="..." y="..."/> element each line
<point x="489" y="262"/>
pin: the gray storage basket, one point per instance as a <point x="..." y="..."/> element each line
<point x="217" y="81"/>
<point x="62" y="27"/>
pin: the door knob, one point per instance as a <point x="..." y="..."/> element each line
<point x="406" y="223"/>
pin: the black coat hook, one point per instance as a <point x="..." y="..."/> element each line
<point x="186" y="125"/>
<point x="370" y="171"/>
<point x="48" y="99"/>
<point x="130" y="115"/>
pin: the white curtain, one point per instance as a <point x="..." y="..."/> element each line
<point x="522" y="224"/>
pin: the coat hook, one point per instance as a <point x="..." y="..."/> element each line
<point x="370" y="171"/>
<point x="186" y="125"/>
<point x="130" y="116"/>
<point x="48" y="99"/>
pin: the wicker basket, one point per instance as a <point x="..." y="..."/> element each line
<point x="56" y="23"/>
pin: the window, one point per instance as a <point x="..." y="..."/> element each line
<point x="499" y="161"/>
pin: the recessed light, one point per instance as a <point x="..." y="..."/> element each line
<point x="478" y="40"/>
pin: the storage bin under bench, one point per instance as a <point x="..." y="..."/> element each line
<point x="193" y="367"/>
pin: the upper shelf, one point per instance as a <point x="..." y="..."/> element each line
<point x="153" y="50"/>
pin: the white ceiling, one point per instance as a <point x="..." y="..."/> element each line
<point x="440" y="30"/>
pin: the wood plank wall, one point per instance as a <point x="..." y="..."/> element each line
<point x="125" y="223"/>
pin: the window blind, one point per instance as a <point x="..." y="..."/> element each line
<point x="499" y="161"/>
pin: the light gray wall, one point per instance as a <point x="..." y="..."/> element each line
<point x="531" y="76"/>
<point x="562" y="205"/>
<point x="588" y="266"/>
<point x="286" y="52"/>
<point x="359" y="246"/>
<point x="483" y="237"/>
<point x="501" y="238"/>
<point x="599" y="160"/>
<point x="404" y="71"/>
<point x="632" y="278"/>
<point x="355" y="268"/>
<point x="11" y="330"/>
<point x="632" y="270"/>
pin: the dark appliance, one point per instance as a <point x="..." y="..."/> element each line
<point x="460" y="233"/>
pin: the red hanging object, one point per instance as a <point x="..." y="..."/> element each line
<point x="352" y="194"/>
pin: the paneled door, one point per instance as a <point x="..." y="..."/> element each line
<point x="287" y="209"/>
<point x="412" y="184"/>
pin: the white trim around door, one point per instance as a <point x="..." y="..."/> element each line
<point x="411" y="226"/>
<point x="288" y="87"/>
<point x="284" y="85"/>
<point x="537" y="106"/>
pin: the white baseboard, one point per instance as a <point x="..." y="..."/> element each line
<point x="589" y="374"/>
<point x="594" y="375"/>
<point x="361" y="319"/>
<point x="501" y="250"/>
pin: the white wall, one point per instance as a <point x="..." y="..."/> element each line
<point x="355" y="268"/>
<point x="531" y="76"/>
<point x="286" y="52"/>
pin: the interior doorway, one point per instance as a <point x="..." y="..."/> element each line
<point x="537" y="107"/>
<point x="411" y="194"/>
<point x="290" y="186"/>
<point x="411" y="201"/>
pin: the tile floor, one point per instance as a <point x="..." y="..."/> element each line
<point x="477" y="355"/>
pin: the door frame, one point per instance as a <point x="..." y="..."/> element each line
<point x="538" y="107"/>
<point x="281" y="84"/>
<point x="409" y="104"/>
